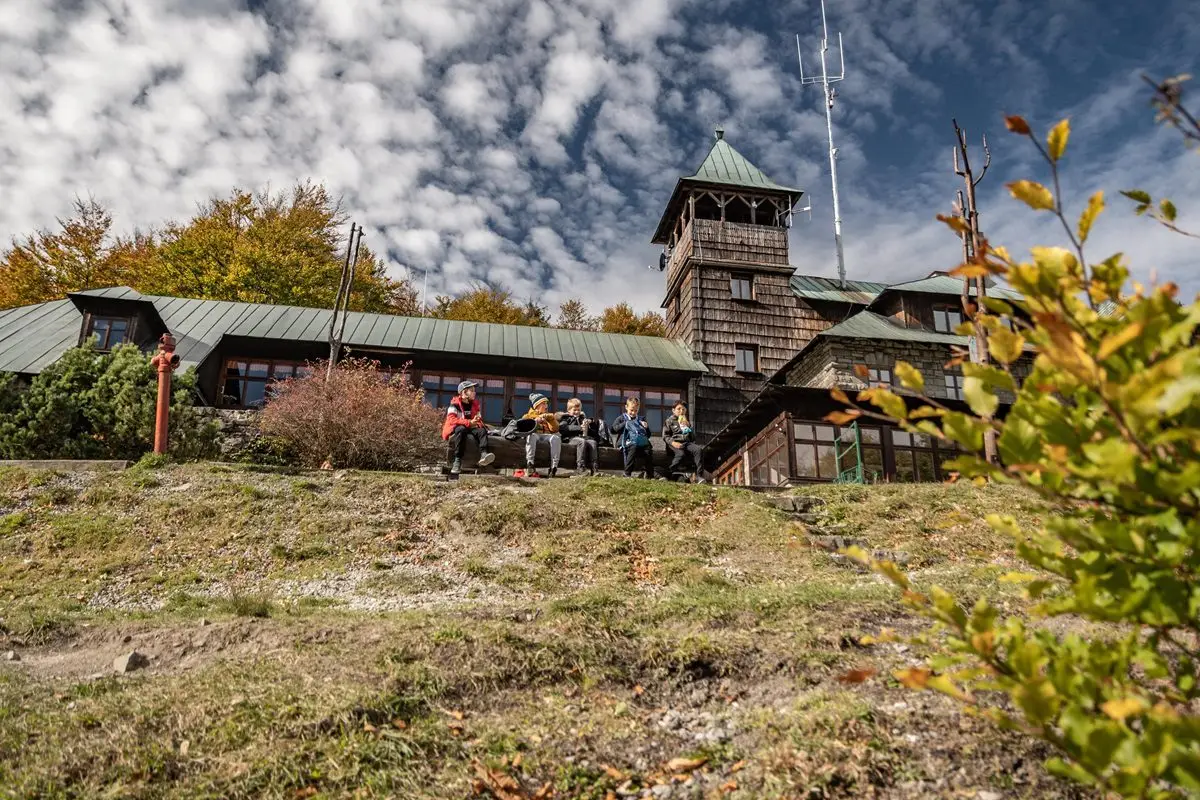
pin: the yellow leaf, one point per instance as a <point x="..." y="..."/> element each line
<point x="1125" y="707"/>
<point x="910" y="377"/>
<point x="839" y="395"/>
<point x="957" y="223"/>
<point x="1033" y="194"/>
<point x="1094" y="207"/>
<point x="913" y="677"/>
<point x="1017" y="125"/>
<point x="970" y="270"/>
<point x="861" y="371"/>
<point x="1056" y="140"/>
<point x="1005" y="345"/>
<point x="1115" y="341"/>
<point x="843" y="417"/>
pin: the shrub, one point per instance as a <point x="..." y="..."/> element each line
<point x="1108" y="426"/>
<point x="358" y="418"/>
<point x="99" y="405"/>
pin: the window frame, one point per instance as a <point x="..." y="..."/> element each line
<point x="946" y="309"/>
<point x="953" y="384"/>
<point x="106" y="345"/>
<point x="295" y="367"/>
<point x="736" y="278"/>
<point x="738" y="348"/>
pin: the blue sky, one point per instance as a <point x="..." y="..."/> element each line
<point x="533" y="143"/>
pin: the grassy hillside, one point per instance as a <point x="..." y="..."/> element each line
<point x="370" y="635"/>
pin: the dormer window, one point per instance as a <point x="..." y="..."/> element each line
<point x="946" y="318"/>
<point x="110" y="331"/>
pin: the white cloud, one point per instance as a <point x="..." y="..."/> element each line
<point x="532" y="143"/>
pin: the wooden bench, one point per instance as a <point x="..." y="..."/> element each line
<point x="512" y="455"/>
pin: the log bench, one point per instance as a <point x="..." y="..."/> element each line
<point x="511" y="455"/>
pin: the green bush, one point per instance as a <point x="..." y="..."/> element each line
<point x="99" y="405"/>
<point x="1107" y="425"/>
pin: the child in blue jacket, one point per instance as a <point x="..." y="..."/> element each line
<point x="633" y="437"/>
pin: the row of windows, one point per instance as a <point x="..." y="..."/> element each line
<point x="247" y="385"/>
<point x="501" y="403"/>
<point x="823" y="451"/>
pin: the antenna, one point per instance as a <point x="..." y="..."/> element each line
<point x="825" y="80"/>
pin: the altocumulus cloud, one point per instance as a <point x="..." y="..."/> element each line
<point x="532" y="143"/>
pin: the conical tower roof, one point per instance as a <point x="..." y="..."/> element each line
<point x="725" y="167"/>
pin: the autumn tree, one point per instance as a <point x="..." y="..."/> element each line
<point x="482" y="303"/>
<point x="81" y="254"/>
<point x="621" y="318"/>
<point x="573" y="316"/>
<point x="286" y="249"/>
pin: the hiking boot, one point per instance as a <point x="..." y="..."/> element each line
<point x="456" y="466"/>
<point x="486" y="458"/>
<point x="553" y="472"/>
<point x="531" y="472"/>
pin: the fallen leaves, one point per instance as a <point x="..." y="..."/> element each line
<point x="857" y="675"/>
<point x="686" y="764"/>
<point x="502" y="786"/>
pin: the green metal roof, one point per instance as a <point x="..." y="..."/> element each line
<point x="726" y="165"/>
<point x="816" y="287"/>
<point x="869" y="325"/>
<point x="945" y="284"/>
<point x="723" y="166"/>
<point x="32" y="337"/>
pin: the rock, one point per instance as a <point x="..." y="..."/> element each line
<point x="662" y="790"/>
<point x="203" y="622"/>
<point x="11" y="655"/>
<point x="129" y="662"/>
<point x="127" y="638"/>
<point x="986" y="795"/>
<point x="784" y="503"/>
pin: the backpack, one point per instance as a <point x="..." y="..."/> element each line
<point x="638" y="439"/>
<point x="518" y="428"/>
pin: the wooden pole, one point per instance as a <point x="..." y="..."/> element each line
<point x="973" y="250"/>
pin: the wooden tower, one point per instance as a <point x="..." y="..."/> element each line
<point x="725" y="239"/>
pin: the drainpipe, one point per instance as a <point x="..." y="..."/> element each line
<point x="165" y="361"/>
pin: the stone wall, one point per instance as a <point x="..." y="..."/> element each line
<point x="831" y="363"/>
<point x="238" y="428"/>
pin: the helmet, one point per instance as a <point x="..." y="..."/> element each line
<point x="468" y="384"/>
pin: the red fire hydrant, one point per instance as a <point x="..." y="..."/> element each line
<point x="165" y="361"/>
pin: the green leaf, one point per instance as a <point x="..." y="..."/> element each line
<point x="992" y="377"/>
<point x="1088" y="217"/>
<point x="963" y="429"/>
<point x="1167" y="208"/>
<point x="1033" y="194"/>
<point x="981" y="399"/>
<point x="910" y="377"/>
<point x="1056" y="140"/>
<point x="1137" y="195"/>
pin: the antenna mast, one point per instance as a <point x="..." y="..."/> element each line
<point x="825" y="80"/>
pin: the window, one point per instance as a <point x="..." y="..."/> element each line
<point x="441" y="389"/>
<point x="585" y="392"/>
<point x="768" y="459"/>
<point x="954" y="386"/>
<point x="946" y="318"/>
<point x="656" y="407"/>
<point x="914" y="457"/>
<point x="879" y="376"/>
<point x="741" y="286"/>
<point x="746" y="357"/>
<point x="674" y="306"/>
<point x="109" y="331"/>
<point x="817" y="458"/>
<point x="247" y="383"/>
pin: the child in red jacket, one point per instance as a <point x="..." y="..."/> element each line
<point x="464" y="420"/>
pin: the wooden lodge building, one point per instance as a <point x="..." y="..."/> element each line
<point x="753" y="345"/>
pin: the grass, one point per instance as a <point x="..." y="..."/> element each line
<point x="371" y="635"/>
